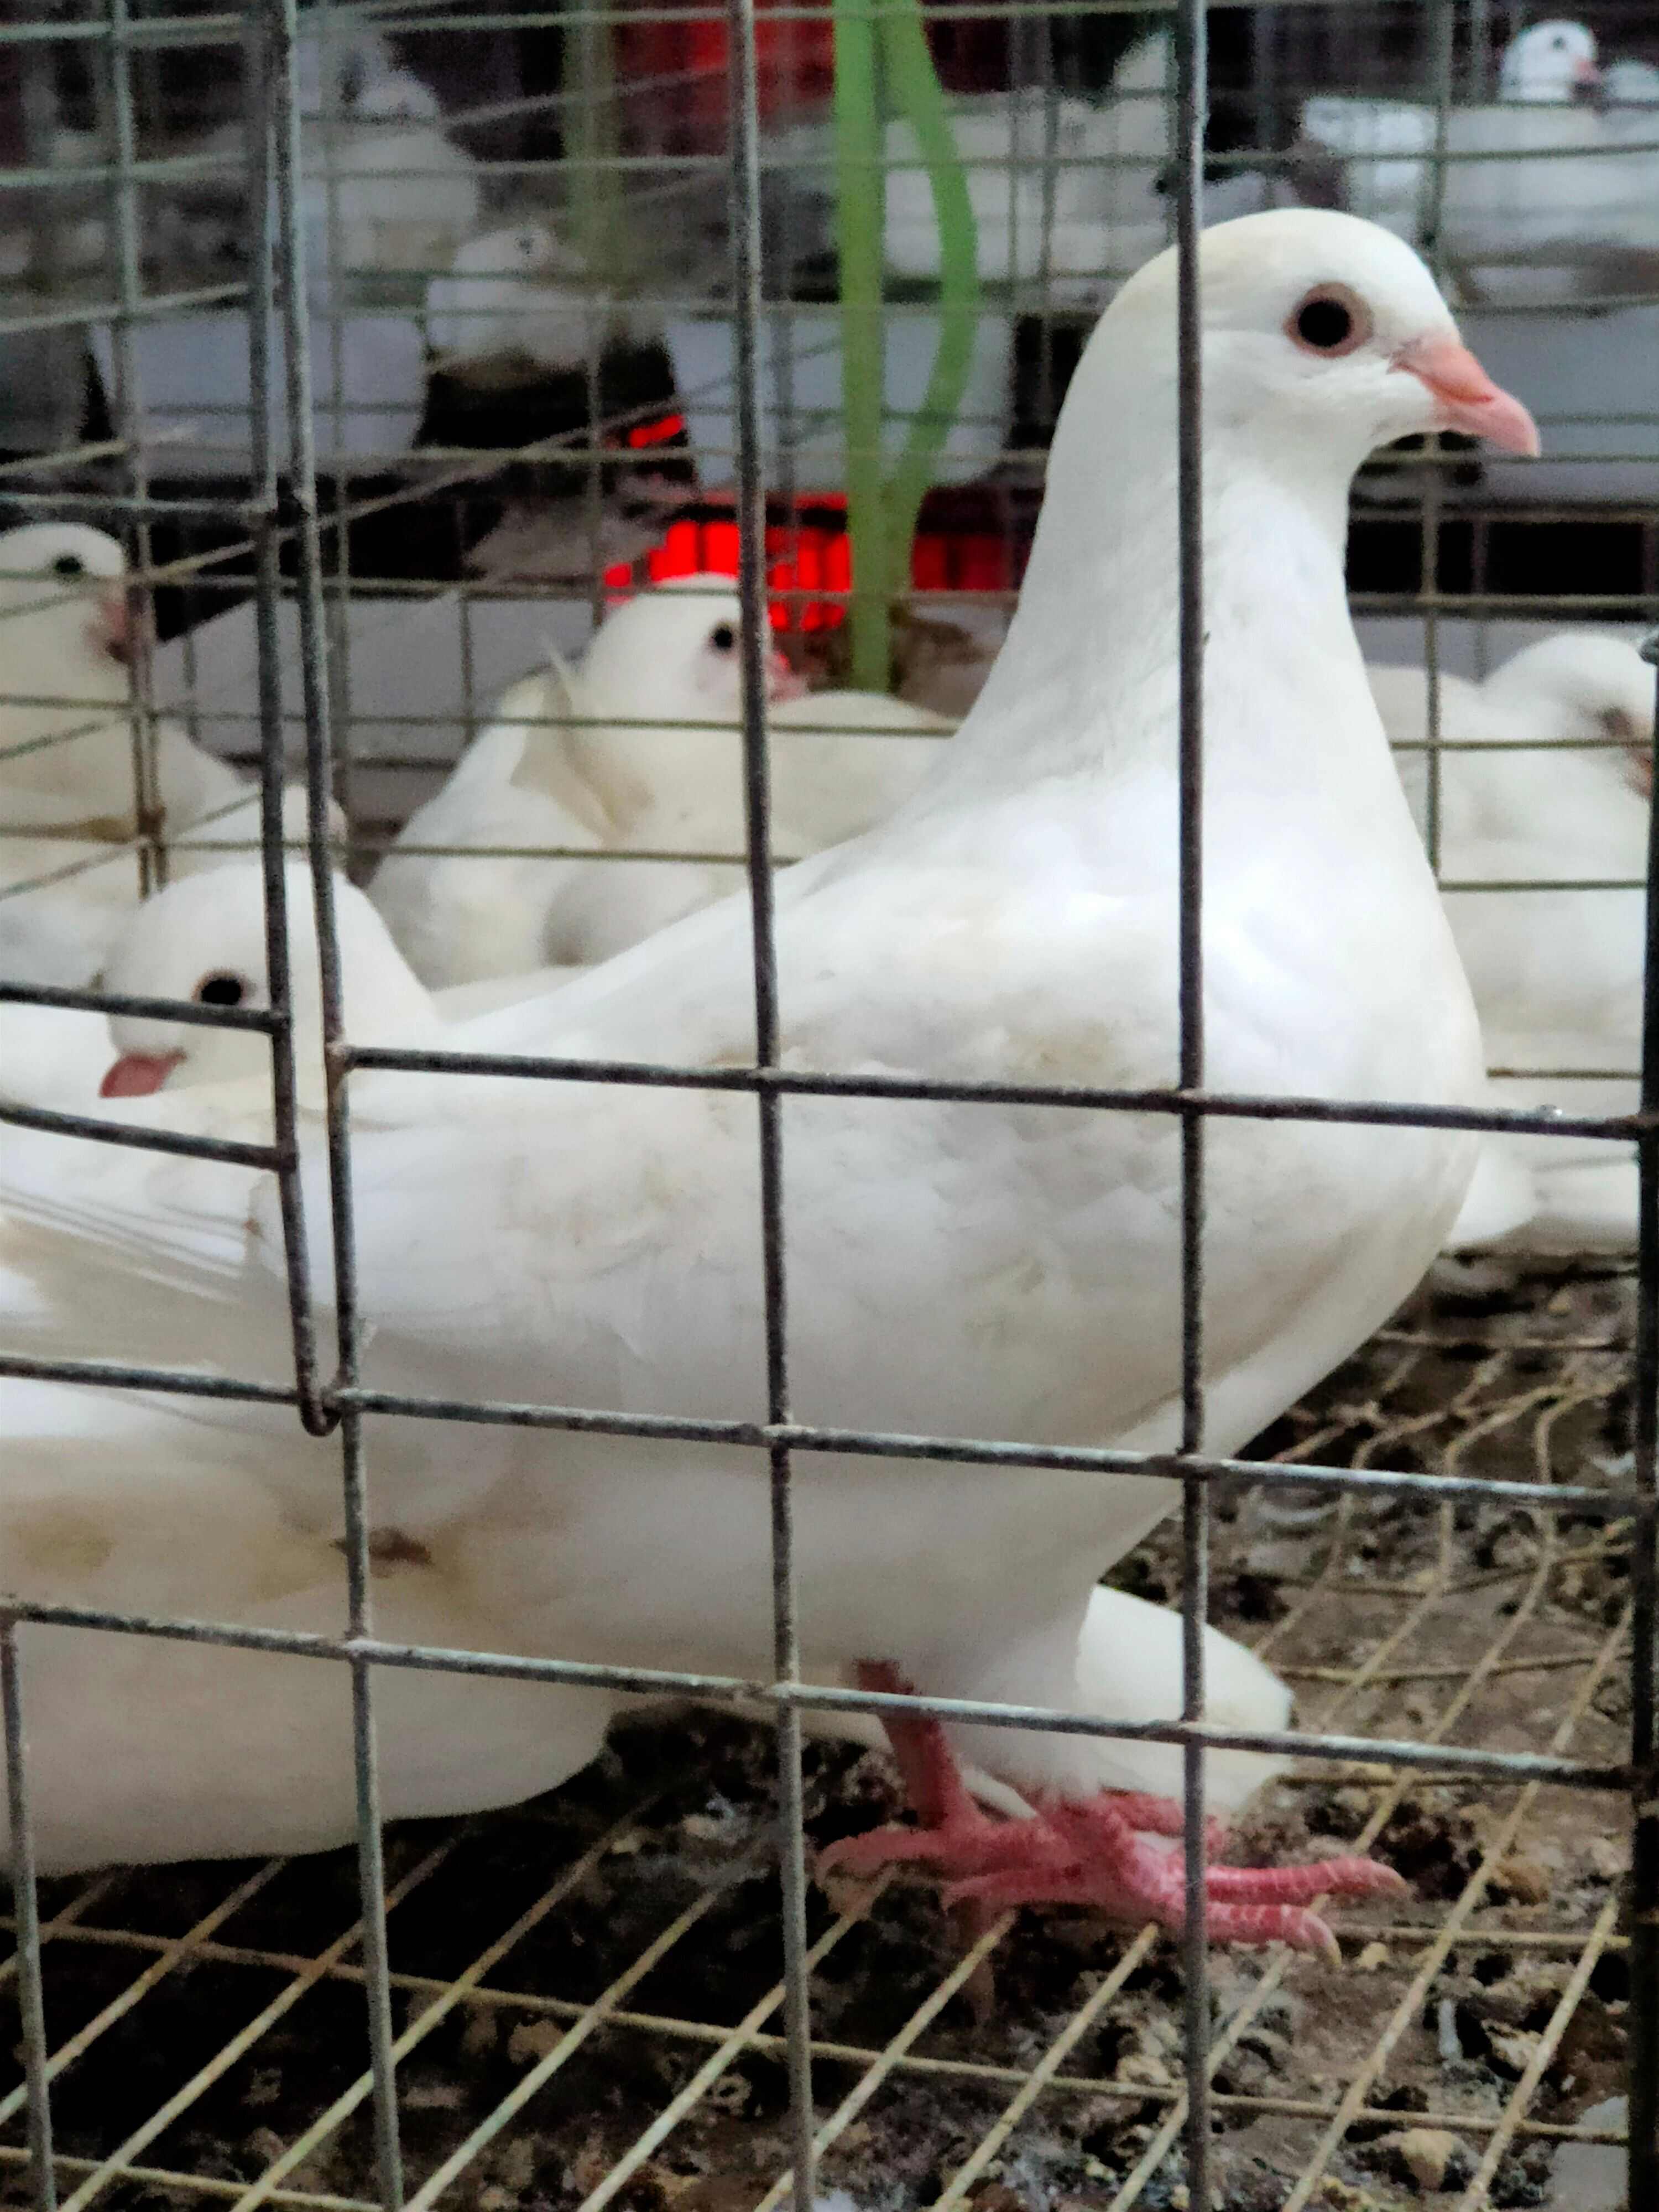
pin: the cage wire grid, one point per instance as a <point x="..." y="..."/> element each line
<point x="778" y="2023"/>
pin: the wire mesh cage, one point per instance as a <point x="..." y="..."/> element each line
<point x="365" y="372"/>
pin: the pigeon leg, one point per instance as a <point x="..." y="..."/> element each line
<point x="1092" y="1852"/>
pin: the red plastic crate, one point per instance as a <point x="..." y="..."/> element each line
<point x="809" y="558"/>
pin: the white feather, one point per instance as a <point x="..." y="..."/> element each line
<point x="964" y="1269"/>
<point x="1557" y="975"/>
<point x="637" y="749"/>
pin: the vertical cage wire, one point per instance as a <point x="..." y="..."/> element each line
<point x="1191" y="116"/>
<point x="757" y="806"/>
<point x="1645" y="1574"/>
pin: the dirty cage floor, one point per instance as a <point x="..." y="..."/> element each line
<point x="585" y="1989"/>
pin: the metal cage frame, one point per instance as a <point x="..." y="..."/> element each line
<point x="327" y="1397"/>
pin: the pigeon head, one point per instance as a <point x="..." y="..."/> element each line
<point x="1550" y="63"/>
<point x="1324" y="336"/>
<point x="202" y="940"/>
<point x="62" y="589"/>
<point x="675" y="654"/>
<point x="1592" y="688"/>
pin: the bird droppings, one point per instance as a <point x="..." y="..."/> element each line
<point x="1467" y="1610"/>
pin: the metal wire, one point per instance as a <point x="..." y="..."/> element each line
<point x="281" y="518"/>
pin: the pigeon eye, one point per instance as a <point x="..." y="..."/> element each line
<point x="222" y="989"/>
<point x="1330" y="321"/>
<point x="723" y="637"/>
<point x="69" y="564"/>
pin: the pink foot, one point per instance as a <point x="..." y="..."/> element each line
<point x="1092" y="1852"/>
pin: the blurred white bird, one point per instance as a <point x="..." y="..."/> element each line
<point x="1549" y="63"/>
<point x="1559" y="186"/>
<point x="66" y="634"/>
<point x="1627" y="87"/>
<point x="68" y="867"/>
<point x="1385" y="144"/>
<point x="1537" y="169"/>
<point x="384" y="189"/>
<point x="1557" y="975"/>
<point x="600" y="758"/>
<point x="956" y="1269"/>
<point x="518" y="291"/>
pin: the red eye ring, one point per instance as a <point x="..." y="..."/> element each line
<point x="1330" y="321"/>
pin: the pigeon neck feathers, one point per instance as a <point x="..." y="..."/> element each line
<point x="1085" y="684"/>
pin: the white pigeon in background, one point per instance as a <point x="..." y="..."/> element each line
<point x="1557" y="974"/>
<point x="1548" y="62"/>
<point x="384" y="189"/>
<point x="518" y="291"/>
<point x="1628" y="87"/>
<point x="956" y="1268"/>
<point x="65" y="720"/>
<point x="1538" y="168"/>
<point x="1561" y="186"/>
<point x="68" y="867"/>
<point x="603" y="758"/>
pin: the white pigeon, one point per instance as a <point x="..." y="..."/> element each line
<point x="1557" y="975"/>
<point x="600" y="759"/>
<point x="60" y="1057"/>
<point x="69" y="868"/>
<point x="1627" y="87"/>
<point x="385" y="191"/>
<point x="1583" y="179"/>
<point x="204" y="938"/>
<point x="1494" y="213"/>
<point x="65" y="721"/>
<point x="517" y="291"/>
<point x="956" y="1269"/>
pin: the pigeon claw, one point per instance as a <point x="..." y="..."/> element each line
<point x="1096" y="1853"/>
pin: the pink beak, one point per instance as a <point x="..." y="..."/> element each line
<point x="112" y="629"/>
<point x="137" y="1074"/>
<point x="1587" y="75"/>
<point x="782" y="680"/>
<point x="1467" y="398"/>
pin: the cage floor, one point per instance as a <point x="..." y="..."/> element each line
<point x="586" y="1990"/>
